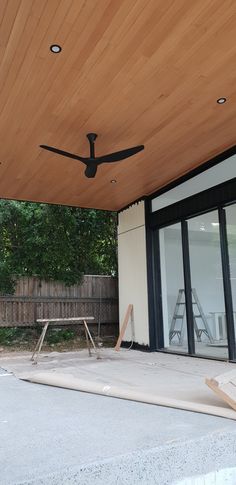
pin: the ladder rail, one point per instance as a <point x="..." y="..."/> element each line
<point x="173" y="331"/>
<point x="207" y="329"/>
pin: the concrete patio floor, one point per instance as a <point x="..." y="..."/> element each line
<point x="58" y="436"/>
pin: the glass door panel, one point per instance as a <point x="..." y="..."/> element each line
<point x="231" y="236"/>
<point x="210" y="332"/>
<point x="173" y="298"/>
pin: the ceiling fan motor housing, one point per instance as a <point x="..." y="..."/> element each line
<point x="92" y="137"/>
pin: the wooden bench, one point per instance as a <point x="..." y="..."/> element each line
<point x="47" y="321"/>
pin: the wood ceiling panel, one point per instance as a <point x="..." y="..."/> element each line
<point x="135" y="72"/>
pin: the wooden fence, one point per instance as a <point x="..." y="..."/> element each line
<point x="96" y="296"/>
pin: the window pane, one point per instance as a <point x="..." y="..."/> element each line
<point x="207" y="286"/>
<point x="231" y="234"/>
<point x="209" y="178"/>
<point x="175" y="331"/>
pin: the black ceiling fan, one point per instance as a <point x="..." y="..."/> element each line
<point x="92" y="162"/>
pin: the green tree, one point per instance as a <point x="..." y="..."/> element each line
<point x="54" y="242"/>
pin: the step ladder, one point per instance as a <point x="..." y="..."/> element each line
<point x="177" y="323"/>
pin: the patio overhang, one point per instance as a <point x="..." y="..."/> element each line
<point x="134" y="72"/>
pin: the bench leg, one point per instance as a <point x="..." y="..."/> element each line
<point x="91" y="340"/>
<point x="39" y="344"/>
<point x="88" y="343"/>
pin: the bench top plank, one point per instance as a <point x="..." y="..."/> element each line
<point x="72" y="319"/>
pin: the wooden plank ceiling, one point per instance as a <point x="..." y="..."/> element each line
<point x="135" y="72"/>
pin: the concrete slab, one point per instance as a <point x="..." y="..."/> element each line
<point x="156" y="378"/>
<point x="52" y="436"/>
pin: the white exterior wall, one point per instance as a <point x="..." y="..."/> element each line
<point x="133" y="271"/>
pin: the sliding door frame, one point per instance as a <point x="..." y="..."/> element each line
<point x="188" y="288"/>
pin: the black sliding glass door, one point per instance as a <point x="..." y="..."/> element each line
<point x="198" y="284"/>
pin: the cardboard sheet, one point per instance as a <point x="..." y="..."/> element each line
<point x="155" y="378"/>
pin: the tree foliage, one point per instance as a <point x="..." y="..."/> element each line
<point x="54" y="242"/>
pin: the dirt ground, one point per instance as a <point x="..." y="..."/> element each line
<point x="57" y="339"/>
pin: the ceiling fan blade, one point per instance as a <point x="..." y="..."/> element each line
<point x="116" y="156"/>
<point x="91" y="170"/>
<point x="61" y="152"/>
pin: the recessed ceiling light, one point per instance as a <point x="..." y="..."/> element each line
<point x="55" y="48"/>
<point x="202" y="226"/>
<point x="113" y="181"/>
<point x="215" y="224"/>
<point x="221" y="100"/>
